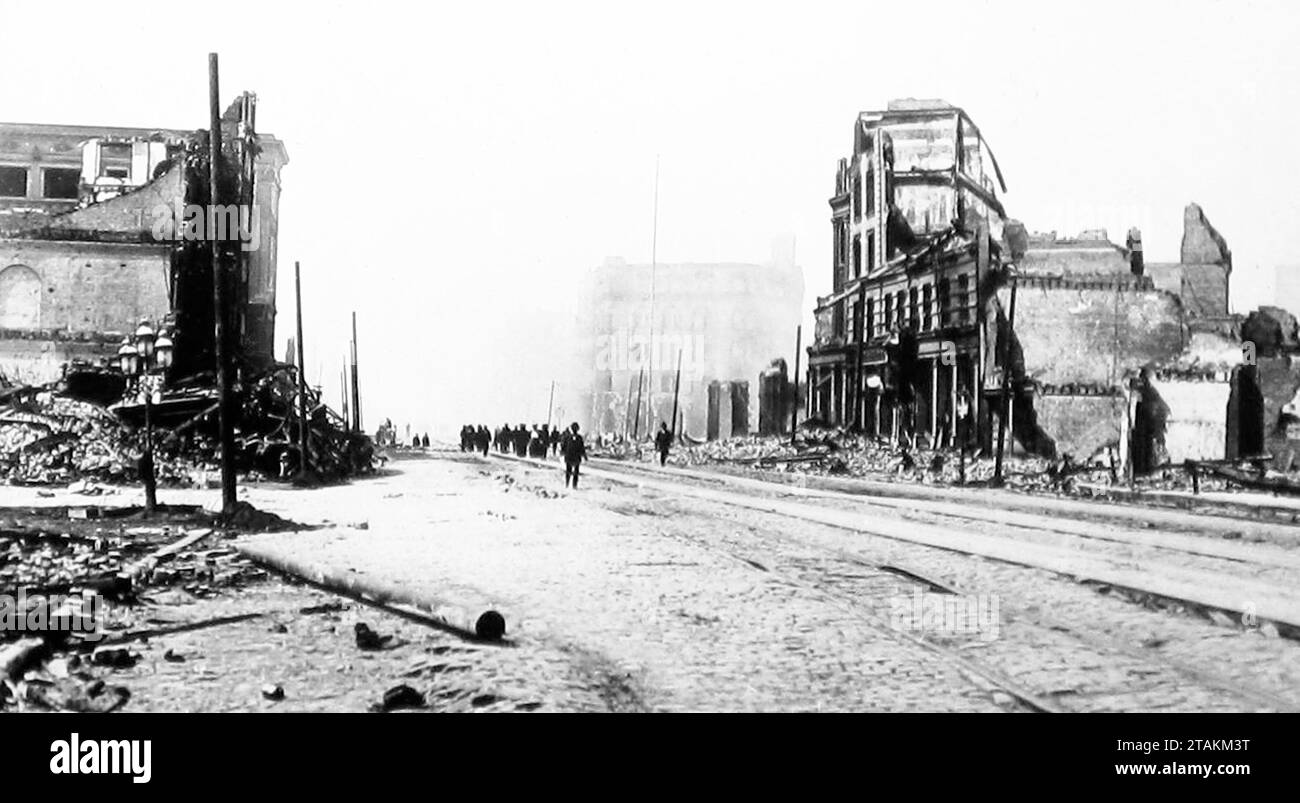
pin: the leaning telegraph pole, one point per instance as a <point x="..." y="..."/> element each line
<point x="225" y="415"/>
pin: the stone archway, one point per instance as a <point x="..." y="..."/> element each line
<point x="20" y="298"/>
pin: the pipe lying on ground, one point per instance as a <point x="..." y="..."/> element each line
<point x="467" y="619"/>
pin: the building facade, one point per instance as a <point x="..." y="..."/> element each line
<point x="98" y="230"/>
<point x="722" y="323"/>
<point x="916" y="224"/>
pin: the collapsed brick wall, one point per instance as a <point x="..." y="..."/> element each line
<point x="146" y="213"/>
<point x="1071" y="334"/>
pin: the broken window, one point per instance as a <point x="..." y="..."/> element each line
<point x="889" y="312"/>
<point x="13" y="182"/>
<point x="115" y="160"/>
<point x="927" y="299"/>
<point x="945" y="301"/>
<point x="871" y="317"/>
<point x="871" y="252"/>
<point x="900" y="308"/>
<point x="61" y="182"/>
<point x="857" y="197"/>
<point x="869" y="202"/>
<point x="963" y="298"/>
<point x="913" y="311"/>
<point x="857" y="256"/>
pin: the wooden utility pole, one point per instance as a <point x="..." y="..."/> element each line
<point x="654" y="266"/>
<point x="550" y="404"/>
<point x="356" y="388"/>
<point x="627" y="408"/>
<point x="304" y="459"/>
<point x="794" y="404"/>
<point x="636" y="426"/>
<point x="1005" y="412"/>
<point x="981" y="270"/>
<point x="677" y="387"/>
<point x="225" y="413"/>
<point x="343" y="392"/>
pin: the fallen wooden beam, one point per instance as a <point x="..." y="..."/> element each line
<point x="466" y="618"/>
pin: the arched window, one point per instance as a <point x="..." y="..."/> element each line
<point x="20" y="298"/>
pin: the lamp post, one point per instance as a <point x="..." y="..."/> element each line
<point x="147" y="359"/>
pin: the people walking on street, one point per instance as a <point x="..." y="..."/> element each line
<point x="521" y="441"/>
<point x="575" y="451"/>
<point x="555" y="441"/>
<point x="424" y="440"/>
<point x="663" y="442"/>
<point x="484" y="439"/>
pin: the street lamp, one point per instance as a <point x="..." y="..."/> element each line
<point x="147" y="359"/>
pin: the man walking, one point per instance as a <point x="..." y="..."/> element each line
<point x="663" y="442"/>
<point x="574" y="451"/>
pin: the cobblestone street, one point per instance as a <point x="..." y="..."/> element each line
<point x="690" y="604"/>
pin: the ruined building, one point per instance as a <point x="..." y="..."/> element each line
<point x="1108" y="355"/>
<point x="726" y="323"/>
<point x="916" y="224"/>
<point x="1110" y="351"/>
<point x="100" y="227"/>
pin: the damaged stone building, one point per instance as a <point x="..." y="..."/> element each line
<point x="1111" y="357"/>
<point x="728" y="322"/>
<point x="916" y="223"/>
<point x="101" y="227"/>
<point x="1112" y="352"/>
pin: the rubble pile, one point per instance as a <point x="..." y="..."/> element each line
<point x="837" y="452"/>
<point x="40" y="562"/>
<point x="841" y="453"/>
<point x="47" y="438"/>
<point x="269" y="439"/>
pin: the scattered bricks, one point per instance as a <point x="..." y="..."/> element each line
<point x="368" y="639"/>
<point x="114" y="657"/>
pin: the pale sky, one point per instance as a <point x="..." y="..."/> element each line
<point x="455" y="171"/>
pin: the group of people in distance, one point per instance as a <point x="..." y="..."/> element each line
<point x="475" y="439"/>
<point x="525" y="442"/>
<point x="543" y="440"/>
